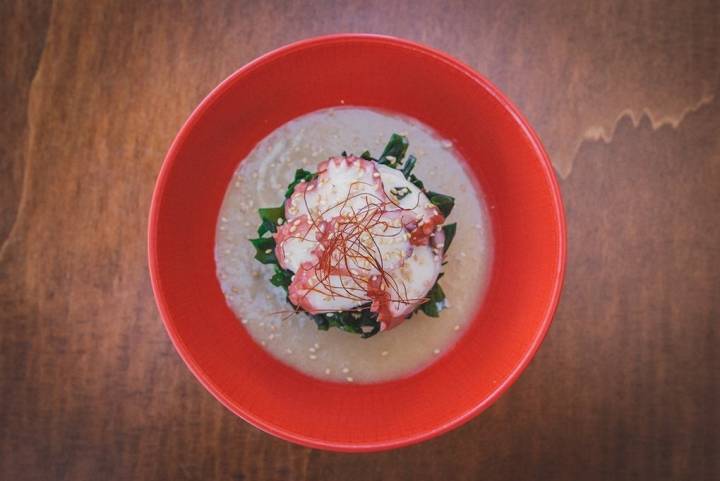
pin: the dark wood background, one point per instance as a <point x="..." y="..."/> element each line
<point x="625" y="97"/>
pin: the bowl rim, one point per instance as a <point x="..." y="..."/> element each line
<point x="183" y="350"/>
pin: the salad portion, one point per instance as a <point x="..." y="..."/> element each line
<point x="360" y="243"/>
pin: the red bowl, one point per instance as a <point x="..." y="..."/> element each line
<point x="510" y="165"/>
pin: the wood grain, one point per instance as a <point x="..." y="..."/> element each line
<point x="625" y="96"/>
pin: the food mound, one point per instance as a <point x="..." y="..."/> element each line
<point x="360" y="243"/>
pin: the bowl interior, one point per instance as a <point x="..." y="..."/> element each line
<point x="526" y="219"/>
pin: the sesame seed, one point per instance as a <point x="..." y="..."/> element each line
<point x="263" y="343"/>
<point x="317" y="346"/>
<point x="384" y="353"/>
<point x="349" y="379"/>
<point x="271" y="336"/>
<point x="312" y="357"/>
<point x="456" y="328"/>
<point x="280" y="221"/>
<point x="312" y="349"/>
<point x="436" y="351"/>
<point x="268" y="251"/>
<point x="244" y="321"/>
<point x="288" y="350"/>
<point x="327" y="370"/>
<point x="345" y="370"/>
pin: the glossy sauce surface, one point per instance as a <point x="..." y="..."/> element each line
<point x="261" y="180"/>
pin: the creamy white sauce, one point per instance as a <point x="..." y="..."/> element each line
<point x="261" y="180"/>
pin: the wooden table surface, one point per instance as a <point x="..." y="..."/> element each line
<point x="625" y="96"/>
